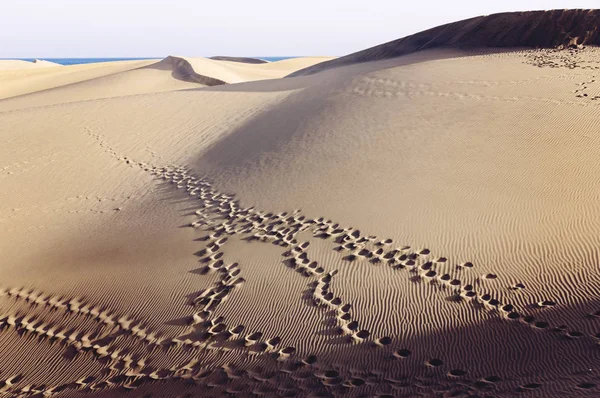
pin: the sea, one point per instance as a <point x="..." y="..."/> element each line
<point x="76" y="61"/>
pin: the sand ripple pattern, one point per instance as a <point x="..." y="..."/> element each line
<point x="226" y="358"/>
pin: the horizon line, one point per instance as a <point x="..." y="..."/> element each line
<point x="159" y="56"/>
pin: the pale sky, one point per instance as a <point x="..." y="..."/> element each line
<point x="139" y="28"/>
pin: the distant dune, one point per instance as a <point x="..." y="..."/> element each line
<point x="122" y="78"/>
<point x="536" y="29"/>
<point x="211" y="72"/>
<point x="20" y="81"/>
<point x="424" y="225"/>
<point x="183" y="69"/>
<point x="244" y="60"/>
<point x="15" y="64"/>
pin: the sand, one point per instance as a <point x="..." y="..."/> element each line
<point x="531" y="29"/>
<point x="73" y="83"/>
<point x="239" y="59"/>
<point x="14" y="64"/>
<point x="424" y="225"/>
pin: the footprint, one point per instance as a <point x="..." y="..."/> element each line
<point x="574" y="334"/>
<point x="310" y="360"/>
<point x="331" y="374"/>
<point x="586" y="386"/>
<point x="383" y="341"/>
<point x="491" y="379"/>
<point x="361" y="335"/>
<point x="430" y="274"/>
<point x="530" y="386"/>
<point x="546" y="303"/>
<point x="541" y="325"/>
<point x="287" y="351"/>
<point x="457" y="373"/>
<point x="356" y="382"/>
<point x="434" y="362"/>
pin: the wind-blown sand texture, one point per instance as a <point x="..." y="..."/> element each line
<point x="425" y="225"/>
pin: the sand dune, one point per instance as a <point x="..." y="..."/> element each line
<point x="183" y="69"/>
<point x="130" y="82"/>
<point x="12" y="64"/>
<point x="219" y="72"/>
<point x="537" y="29"/>
<point x="423" y="225"/>
<point x="126" y="78"/>
<point x="28" y="80"/>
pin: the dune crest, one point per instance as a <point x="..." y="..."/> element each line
<point x="211" y="72"/>
<point x="183" y="69"/>
<point x="536" y="29"/>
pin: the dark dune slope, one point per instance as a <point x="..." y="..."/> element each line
<point x="543" y="29"/>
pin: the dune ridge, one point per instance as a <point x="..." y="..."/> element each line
<point x="215" y="72"/>
<point x="536" y="29"/>
<point x="183" y="69"/>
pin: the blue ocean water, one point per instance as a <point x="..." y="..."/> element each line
<point x="76" y="61"/>
<point x="273" y="59"/>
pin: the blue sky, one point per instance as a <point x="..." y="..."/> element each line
<point x="132" y="28"/>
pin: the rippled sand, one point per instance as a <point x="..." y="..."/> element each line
<point x="427" y="224"/>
